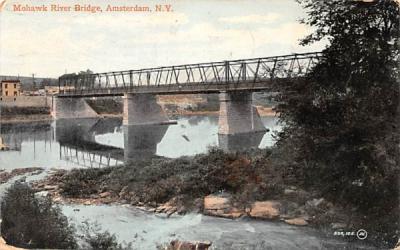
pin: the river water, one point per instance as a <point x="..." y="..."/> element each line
<point x="68" y="144"/>
<point x="146" y="230"/>
<point x="105" y="142"/>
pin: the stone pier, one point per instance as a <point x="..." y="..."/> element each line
<point x="143" y="109"/>
<point x="237" y="115"/>
<point x="72" y="108"/>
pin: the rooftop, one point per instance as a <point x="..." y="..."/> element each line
<point x="10" y="81"/>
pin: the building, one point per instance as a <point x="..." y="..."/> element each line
<point x="53" y="90"/>
<point x="10" y="88"/>
<point x="30" y="84"/>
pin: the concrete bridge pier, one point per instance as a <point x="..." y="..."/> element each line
<point x="143" y="109"/>
<point x="237" y="115"/>
<point x="67" y="108"/>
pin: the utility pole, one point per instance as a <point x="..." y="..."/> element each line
<point x="33" y="81"/>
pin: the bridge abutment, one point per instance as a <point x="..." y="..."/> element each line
<point x="143" y="109"/>
<point x="237" y="115"/>
<point x="67" y="108"/>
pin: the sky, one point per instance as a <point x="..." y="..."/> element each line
<point x="49" y="44"/>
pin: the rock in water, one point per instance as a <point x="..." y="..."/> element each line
<point x="297" y="222"/>
<point x="265" y="209"/>
<point x="189" y="245"/>
<point x="212" y="202"/>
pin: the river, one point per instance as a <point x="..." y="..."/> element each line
<point x="71" y="143"/>
<point x="105" y="142"/>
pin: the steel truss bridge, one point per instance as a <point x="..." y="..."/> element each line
<point x="236" y="75"/>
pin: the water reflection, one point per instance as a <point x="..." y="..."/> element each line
<point x="106" y="142"/>
<point x="232" y="143"/>
<point x="13" y="135"/>
<point x="78" y="145"/>
<point x="140" y="141"/>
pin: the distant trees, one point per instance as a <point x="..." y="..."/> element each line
<point x="83" y="78"/>
<point x="342" y="123"/>
<point x="85" y="72"/>
<point x="86" y="80"/>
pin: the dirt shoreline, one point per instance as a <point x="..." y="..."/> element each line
<point x="262" y="111"/>
<point x="25" y="118"/>
<point x="38" y="118"/>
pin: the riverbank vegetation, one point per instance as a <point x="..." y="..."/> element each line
<point x="30" y="222"/>
<point x="342" y="124"/>
<point x="257" y="183"/>
<point x="186" y="178"/>
<point x="33" y="222"/>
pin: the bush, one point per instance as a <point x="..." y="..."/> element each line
<point x="97" y="240"/>
<point x="31" y="222"/>
<point x="83" y="182"/>
<point x="159" y="180"/>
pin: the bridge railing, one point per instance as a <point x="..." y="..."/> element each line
<point x="225" y="72"/>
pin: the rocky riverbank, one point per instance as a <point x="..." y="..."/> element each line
<point x="217" y="184"/>
<point x="220" y="204"/>
<point x="240" y="185"/>
<point x="6" y="176"/>
<point x="295" y="206"/>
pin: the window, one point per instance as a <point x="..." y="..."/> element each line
<point x="15" y="99"/>
<point x="15" y="93"/>
<point x="6" y="85"/>
<point x="15" y="85"/>
<point x="6" y="93"/>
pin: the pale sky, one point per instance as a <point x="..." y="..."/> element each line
<point x="50" y="43"/>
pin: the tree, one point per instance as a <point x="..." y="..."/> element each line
<point x="31" y="222"/>
<point x="35" y="222"/>
<point x="342" y="124"/>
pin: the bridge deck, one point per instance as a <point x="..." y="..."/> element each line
<point x="193" y="88"/>
<point x="251" y="74"/>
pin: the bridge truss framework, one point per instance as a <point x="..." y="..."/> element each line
<point x="247" y="74"/>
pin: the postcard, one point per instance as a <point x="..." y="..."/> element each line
<point x="171" y="124"/>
